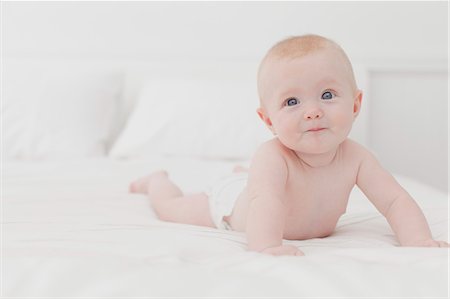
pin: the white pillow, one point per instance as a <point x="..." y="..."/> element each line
<point x="193" y="117"/>
<point x="57" y="110"/>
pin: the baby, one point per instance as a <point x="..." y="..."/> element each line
<point x="299" y="182"/>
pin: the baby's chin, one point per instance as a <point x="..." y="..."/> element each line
<point x="317" y="146"/>
<point x="315" y="149"/>
<point x="305" y="145"/>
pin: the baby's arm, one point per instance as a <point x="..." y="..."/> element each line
<point x="401" y="211"/>
<point x="267" y="214"/>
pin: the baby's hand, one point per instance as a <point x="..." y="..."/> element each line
<point x="430" y="243"/>
<point x="283" y="250"/>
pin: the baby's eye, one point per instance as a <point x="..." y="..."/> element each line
<point x="291" y="101"/>
<point x="327" y="95"/>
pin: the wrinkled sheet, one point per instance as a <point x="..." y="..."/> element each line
<point x="72" y="229"/>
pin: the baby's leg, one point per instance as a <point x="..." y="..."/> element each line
<point x="169" y="202"/>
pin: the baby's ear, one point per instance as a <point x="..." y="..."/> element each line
<point x="265" y="118"/>
<point x="357" y="103"/>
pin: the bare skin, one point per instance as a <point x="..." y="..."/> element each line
<point x="310" y="200"/>
<point x="313" y="201"/>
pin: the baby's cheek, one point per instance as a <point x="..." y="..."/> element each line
<point x="343" y="120"/>
<point x="287" y="130"/>
<point x="345" y="128"/>
<point x="288" y="126"/>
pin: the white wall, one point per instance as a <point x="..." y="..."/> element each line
<point x="368" y="30"/>
<point x="401" y="46"/>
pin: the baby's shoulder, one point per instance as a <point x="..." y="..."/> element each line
<point x="353" y="150"/>
<point x="271" y="152"/>
<point x="272" y="147"/>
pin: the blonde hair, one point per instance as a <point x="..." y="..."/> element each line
<point x="299" y="46"/>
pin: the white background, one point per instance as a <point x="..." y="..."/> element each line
<point x="401" y="46"/>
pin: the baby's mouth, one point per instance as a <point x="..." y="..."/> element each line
<point x="318" y="129"/>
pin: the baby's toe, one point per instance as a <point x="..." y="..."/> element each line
<point x="132" y="188"/>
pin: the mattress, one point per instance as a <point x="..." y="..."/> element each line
<point x="71" y="229"/>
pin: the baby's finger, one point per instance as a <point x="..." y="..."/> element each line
<point x="443" y="244"/>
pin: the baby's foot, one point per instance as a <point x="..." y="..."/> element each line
<point x="141" y="185"/>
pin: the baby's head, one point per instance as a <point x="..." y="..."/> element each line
<point x="308" y="94"/>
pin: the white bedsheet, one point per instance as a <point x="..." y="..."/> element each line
<point x="72" y="229"/>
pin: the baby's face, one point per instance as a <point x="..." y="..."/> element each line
<point x="309" y="102"/>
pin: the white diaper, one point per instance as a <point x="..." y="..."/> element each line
<point x="222" y="196"/>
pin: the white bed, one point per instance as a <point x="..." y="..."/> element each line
<point x="71" y="229"/>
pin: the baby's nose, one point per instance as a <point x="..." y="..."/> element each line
<point x="313" y="113"/>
